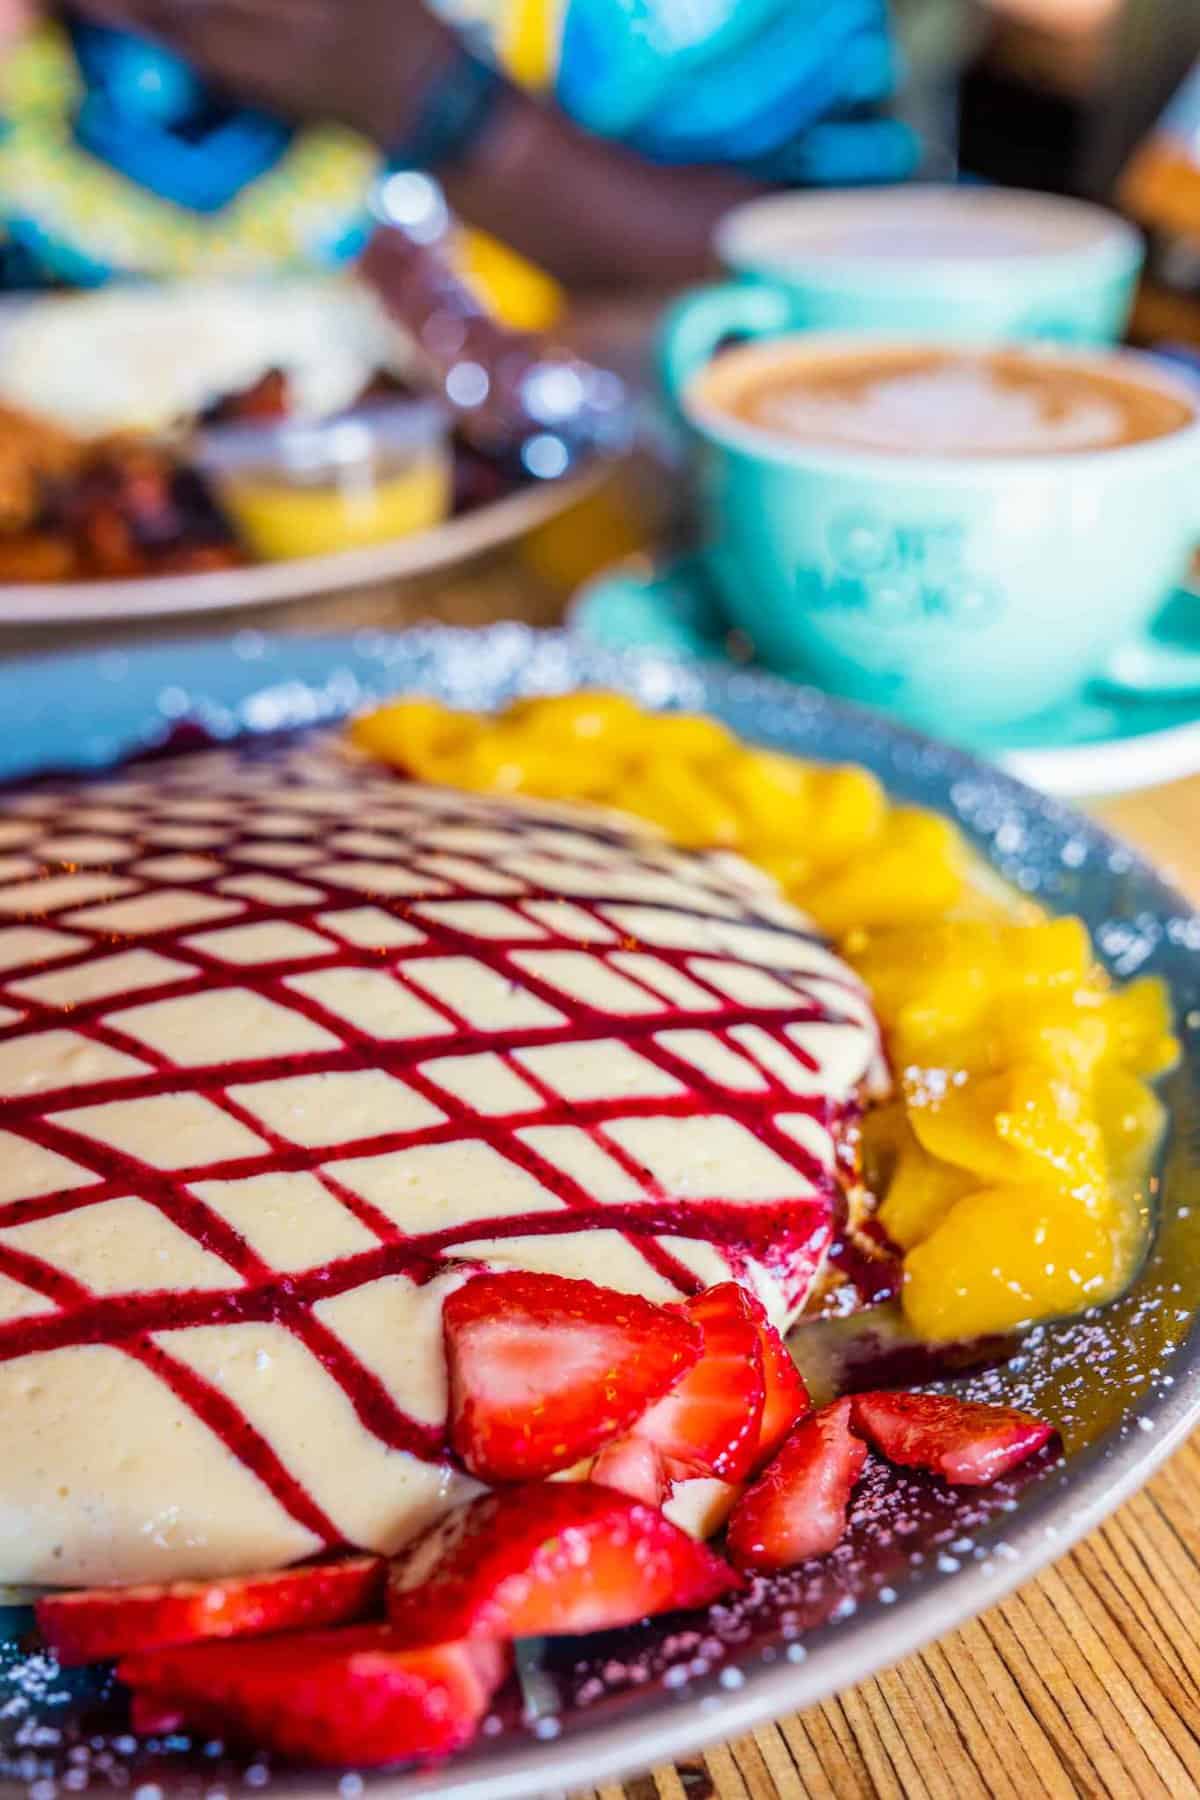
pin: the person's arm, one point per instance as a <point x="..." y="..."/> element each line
<point x="587" y="210"/>
<point x="591" y="212"/>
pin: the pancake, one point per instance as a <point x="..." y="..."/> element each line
<point x="289" y="1047"/>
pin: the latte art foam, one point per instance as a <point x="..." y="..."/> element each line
<point x="923" y="402"/>
<point x="953" y="410"/>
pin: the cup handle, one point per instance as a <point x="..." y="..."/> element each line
<point x="695" y="326"/>
<point x="1165" y="659"/>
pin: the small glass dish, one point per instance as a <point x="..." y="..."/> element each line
<point x="307" y="488"/>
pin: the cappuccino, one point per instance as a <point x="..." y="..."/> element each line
<point x="917" y="401"/>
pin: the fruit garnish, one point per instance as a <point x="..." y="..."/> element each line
<point x="353" y="1696"/>
<point x="963" y="1441"/>
<point x="797" y="1507"/>
<point x="785" y="1397"/>
<point x="97" y="1624"/>
<point x="545" y="1370"/>
<point x="549" y="1558"/>
<point x="1004" y="1256"/>
<point x="633" y="1466"/>
<point x="710" y="1422"/>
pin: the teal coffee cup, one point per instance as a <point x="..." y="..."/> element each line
<point x="918" y="261"/>
<point x="962" y="538"/>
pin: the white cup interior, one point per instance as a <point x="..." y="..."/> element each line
<point x="917" y="232"/>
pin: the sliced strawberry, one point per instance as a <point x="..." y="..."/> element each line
<point x="785" y="1397"/>
<point x="709" y="1423"/>
<point x="352" y="1696"/>
<point x="97" y="1624"/>
<point x="964" y="1442"/>
<point x="543" y="1370"/>
<point x="549" y="1558"/>
<point x="797" y="1508"/>
<point x="633" y="1466"/>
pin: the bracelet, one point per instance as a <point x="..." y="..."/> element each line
<point x="455" y="108"/>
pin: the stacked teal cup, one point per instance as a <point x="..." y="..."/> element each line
<point x="958" y="262"/>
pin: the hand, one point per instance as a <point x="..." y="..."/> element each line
<point x="364" y="63"/>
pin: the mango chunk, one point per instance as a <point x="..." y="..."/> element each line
<point x="1023" y="1124"/>
<point x="420" y="736"/>
<point x="920" y="1195"/>
<point x="849" y="809"/>
<point x="1055" y="954"/>
<point x="772" y="794"/>
<point x="592" y="716"/>
<point x="678" y="800"/>
<point x="1132" y="1119"/>
<point x="685" y="737"/>
<point x="1139" y="1019"/>
<point x="1063" y="1032"/>
<point x="914" y="869"/>
<point x="1004" y="1256"/>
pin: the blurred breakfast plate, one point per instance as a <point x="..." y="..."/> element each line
<point x="91" y="382"/>
<point x="269" y="583"/>
<point x="1123" y="1381"/>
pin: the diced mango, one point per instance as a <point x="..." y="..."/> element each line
<point x="914" y="870"/>
<point x="420" y="736"/>
<point x="674" y="797"/>
<point x="690" y="737"/>
<point x="1048" y="1121"/>
<point x="848" y="810"/>
<point x="773" y="795"/>
<point x="788" y="867"/>
<point x="1139" y="1018"/>
<point x="954" y="1114"/>
<point x="1132" y="1119"/>
<point x="1024" y="1124"/>
<point x="920" y="1194"/>
<point x="1006" y="1255"/>
<point x="1055" y="954"/>
<point x="592" y="716"/>
<point x="509" y="760"/>
<point x="1062" y="1032"/>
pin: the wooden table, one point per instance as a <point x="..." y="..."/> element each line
<point x="1084" y="1682"/>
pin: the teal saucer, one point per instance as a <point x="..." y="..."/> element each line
<point x="1103" y="741"/>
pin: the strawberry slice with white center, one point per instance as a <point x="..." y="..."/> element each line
<point x="963" y="1441"/>
<point x="633" y="1466"/>
<point x="352" y="1696"/>
<point x="544" y="1370"/>
<point x="549" y="1558"/>
<point x="710" y="1422"/>
<point x="97" y="1624"/>
<point x="797" y="1507"/>
<point x="785" y="1397"/>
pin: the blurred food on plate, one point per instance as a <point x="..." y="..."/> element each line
<point x="179" y="428"/>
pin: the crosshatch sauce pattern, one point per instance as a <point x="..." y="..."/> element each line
<point x="477" y="1031"/>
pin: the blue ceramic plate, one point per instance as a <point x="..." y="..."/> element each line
<point x="1123" y="1382"/>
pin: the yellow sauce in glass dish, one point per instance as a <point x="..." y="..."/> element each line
<point x="297" y="490"/>
<point x="1014" y="1158"/>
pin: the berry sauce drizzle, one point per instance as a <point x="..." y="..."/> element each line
<point x="290" y="837"/>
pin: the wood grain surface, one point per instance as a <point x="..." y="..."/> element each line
<point x="1086" y="1681"/>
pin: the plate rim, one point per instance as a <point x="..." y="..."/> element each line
<point x="23" y="604"/>
<point x="1069" y="1501"/>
